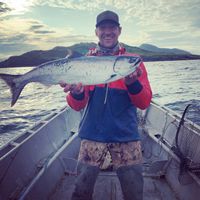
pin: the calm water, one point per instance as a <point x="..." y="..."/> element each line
<point x="174" y="84"/>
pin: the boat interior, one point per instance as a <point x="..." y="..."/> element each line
<point x="42" y="162"/>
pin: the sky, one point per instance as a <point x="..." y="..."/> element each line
<point x="27" y="25"/>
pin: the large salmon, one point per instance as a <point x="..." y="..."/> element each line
<point x="88" y="70"/>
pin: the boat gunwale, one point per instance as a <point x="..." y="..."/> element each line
<point x="33" y="130"/>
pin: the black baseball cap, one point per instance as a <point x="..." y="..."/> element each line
<point x="107" y="16"/>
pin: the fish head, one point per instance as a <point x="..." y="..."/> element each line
<point x="124" y="65"/>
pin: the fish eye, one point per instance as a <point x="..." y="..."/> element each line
<point x="131" y="60"/>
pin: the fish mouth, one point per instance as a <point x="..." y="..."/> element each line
<point x="138" y="61"/>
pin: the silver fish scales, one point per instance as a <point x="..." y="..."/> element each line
<point x="88" y="70"/>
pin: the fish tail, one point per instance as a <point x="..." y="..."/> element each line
<point x="15" y="89"/>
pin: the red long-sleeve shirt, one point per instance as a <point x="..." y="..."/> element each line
<point x="111" y="111"/>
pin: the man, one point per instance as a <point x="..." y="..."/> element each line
<point x="110" y="122"/>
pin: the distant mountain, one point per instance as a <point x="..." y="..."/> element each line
<point x="153" y="48"/>
<point x="82" y="48"/>
<point x="34" y="58"/>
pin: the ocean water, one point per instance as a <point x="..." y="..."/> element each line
<point x="175" y="84"/>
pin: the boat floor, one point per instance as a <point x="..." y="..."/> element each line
<point x="108" y="187"/>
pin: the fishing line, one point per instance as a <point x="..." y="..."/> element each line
<point x="187" y="148"/>
<point x="178" y="130"/>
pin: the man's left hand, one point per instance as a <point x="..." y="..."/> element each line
<point x="131" y="78"/>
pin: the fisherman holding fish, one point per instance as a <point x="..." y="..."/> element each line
<point x="109" y="124"/>
<point x="110" y="84"/>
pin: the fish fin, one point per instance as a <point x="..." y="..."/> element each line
<point x="15" y="89"/>
<point x="110" y="78"/>
<point x="70" y="54"/>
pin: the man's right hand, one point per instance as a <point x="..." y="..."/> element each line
<point x="73" y="88"/>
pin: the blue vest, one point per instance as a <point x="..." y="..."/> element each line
<point x="109" y="117"/>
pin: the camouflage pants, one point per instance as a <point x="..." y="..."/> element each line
<point x="121" y="154"/>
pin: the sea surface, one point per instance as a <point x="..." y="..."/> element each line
<point x="175" y="84"/>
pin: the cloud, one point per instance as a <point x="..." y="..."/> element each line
<point x="33" y="34"/>
<point x="150" y="14"/>
<point x="4" y="8"/>
<point x="14" y="47"/>
<point x="164" y="23"/>
<point x="36" y="27"/>
<point x="40" y="29"/>
<point x="44" y="32"/>
<point x="78" y="4"/>
<point x="18" y="7"/>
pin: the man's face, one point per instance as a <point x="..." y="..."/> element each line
<point x="108" y="34"/>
